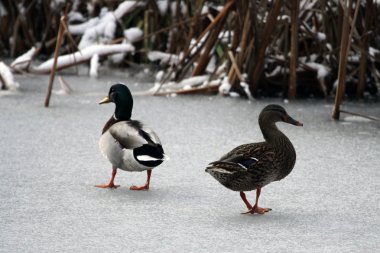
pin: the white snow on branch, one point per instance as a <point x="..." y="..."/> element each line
<point x="321" y="36"/>
<point x="133" y="34"/>
<point x="84" y="55"/>
<point x="182" y="8"/>
<point x="322" y="71"/>
<point x="246" y="90"/>
<point x="310" y="58"/>
<point x="22" y="62"/>
<point x="122" y="9"/>
<point x="164" y="58"/>
<point x="81" y="28"/>
<point x="373" y="52"/>
<point x="7" y="77"/>
<point x="94" y="65"/>
<point x="194" y="80"/>
<point x="163" y="6"/>
<point x="225" y="87"/>
<point x="276" y="71"/>
<point x="75" y="16"/>
<point x="103" y="30"/>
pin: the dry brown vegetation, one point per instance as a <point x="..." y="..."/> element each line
<point x="262" y="48"/>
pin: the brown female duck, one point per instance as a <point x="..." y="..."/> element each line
<point x="252" y="166"/>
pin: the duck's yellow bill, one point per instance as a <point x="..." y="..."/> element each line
<point x="105" y="100"/>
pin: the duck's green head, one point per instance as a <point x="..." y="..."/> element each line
<point x="122" y="97"/>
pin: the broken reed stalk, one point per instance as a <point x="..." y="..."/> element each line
<point x="235" y="66"/>
<point x="241" y="55"/>
<point x="213" y="23"/>
<point x="147" y="14"/>
<point x="209" y="45"/>
<point x="361" y="115"/>
<point x="265" y="39"/>
<point x="292" y="91"/>
<point x="56" y="53"/>
<point x="203" y="89"/>
<point x="344" y="49"/>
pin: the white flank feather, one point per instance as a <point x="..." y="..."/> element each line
<point x="147" y="158"/>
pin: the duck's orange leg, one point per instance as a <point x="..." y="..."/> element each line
<point x="111" y="182"/>
<point x="256" y="208"/>
<point x="244" y="198"/>
<point x="144" y="187"/>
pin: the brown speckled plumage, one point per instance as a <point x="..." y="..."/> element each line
<point x="252" y="166"/>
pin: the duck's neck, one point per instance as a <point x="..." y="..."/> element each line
<point x="284" y="148"/>
<point x="123" y="111"/>
<point x="274" y="136"/>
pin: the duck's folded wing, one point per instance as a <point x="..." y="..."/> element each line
<point x="236" y="163"/>
<point x="152" y="135"/>
<point x="226" y="168"/>
<point x="250" y="156"/>
<point x="127" y="136"/>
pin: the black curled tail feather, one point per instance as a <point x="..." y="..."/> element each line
<point x="154" y="151"/>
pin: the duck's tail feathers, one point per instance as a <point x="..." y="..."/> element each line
<point x="166" y="157"/>
<point x="149" y="155"/>
<point x="224" y="171"/>
<point x="231" y="167"/>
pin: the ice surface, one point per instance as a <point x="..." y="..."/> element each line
<point x="50" y="162"/>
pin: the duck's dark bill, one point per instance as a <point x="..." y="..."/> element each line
<point x="292" y="121"/>
<point x="104" y="100"/>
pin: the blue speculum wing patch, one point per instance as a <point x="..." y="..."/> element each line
<point x="247" y="162"/>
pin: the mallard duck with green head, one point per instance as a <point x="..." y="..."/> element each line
<point x="252" y="166"/>
<point x="128" y="144"/>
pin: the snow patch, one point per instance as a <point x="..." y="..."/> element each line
<point x="225" y="87"/>
<point x="322" y="71"/>
<point x="7" y="77"/>
<point x="94" y="65"/>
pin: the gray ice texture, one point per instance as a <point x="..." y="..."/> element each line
<point x="50" y="162"/>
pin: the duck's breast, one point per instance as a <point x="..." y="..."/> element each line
<point x="111" y="149"/>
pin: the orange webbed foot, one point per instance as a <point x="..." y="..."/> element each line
<point x="258" y="210"/>
<point x="139" y="188"/>
<point x="111" y="186"/>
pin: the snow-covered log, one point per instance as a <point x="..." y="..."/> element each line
<point x="84" y="55"/>
<point x="164" y="58"/>
<point x="22" y="62"/>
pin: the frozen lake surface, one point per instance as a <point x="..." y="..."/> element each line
<point x="50" y="162"/>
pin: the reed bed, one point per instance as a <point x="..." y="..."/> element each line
<point x="291" y="49"/>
